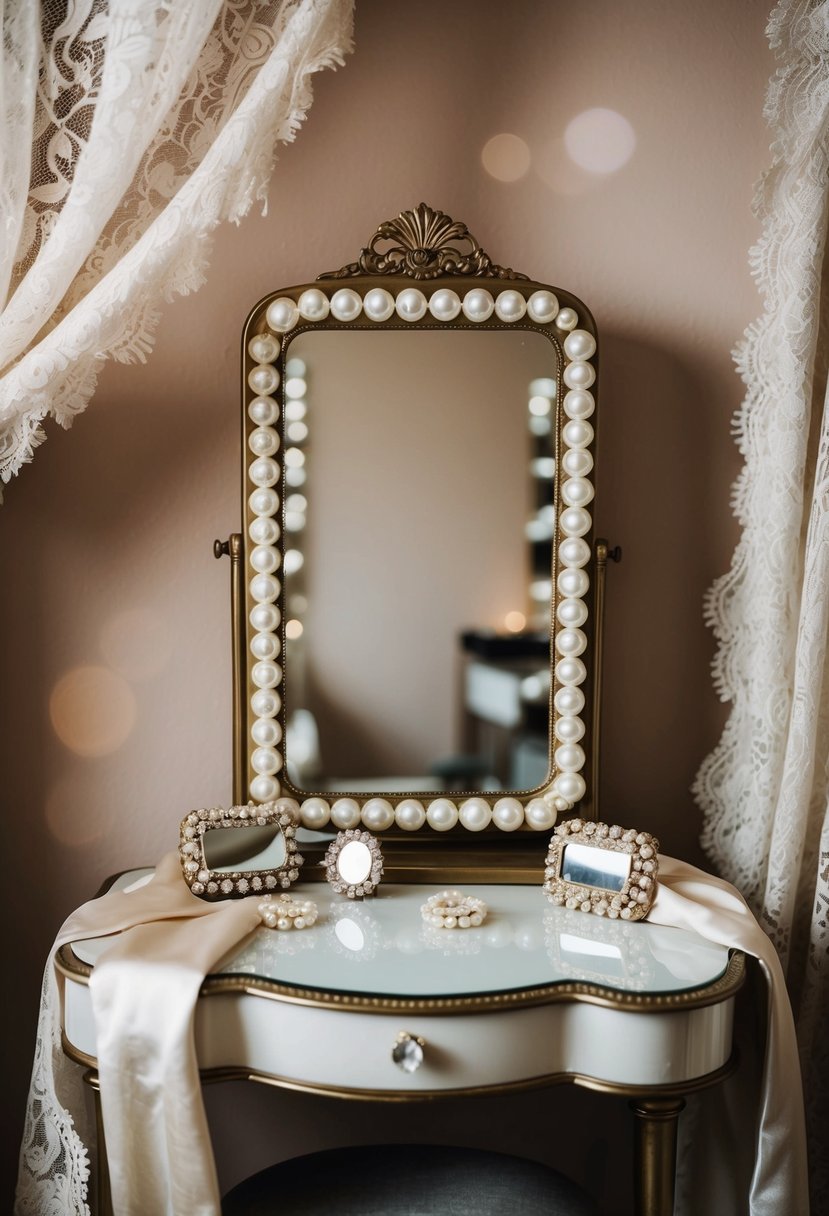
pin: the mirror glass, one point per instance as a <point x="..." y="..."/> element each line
<point x="354" y="862"/>
<point x="242" y="850"/>
<point x="418" y="522"/>
<point x="586" y="866"/>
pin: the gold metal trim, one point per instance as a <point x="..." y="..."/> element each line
<point x="422" y="249"/>
<point x="641" y="1092"/>
<point x="722" y="989"/>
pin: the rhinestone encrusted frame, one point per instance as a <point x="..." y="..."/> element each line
<point x="214" y="884"/>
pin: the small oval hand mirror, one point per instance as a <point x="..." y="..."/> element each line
<point x="353" y="863"/>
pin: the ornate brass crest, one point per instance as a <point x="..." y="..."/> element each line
<point x="422" y="248"/>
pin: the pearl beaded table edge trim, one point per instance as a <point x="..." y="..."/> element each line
<point x="512" y="304"/>
<point x="453" y="910"/>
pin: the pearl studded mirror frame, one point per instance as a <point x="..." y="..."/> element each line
<point x="426" y="280"/>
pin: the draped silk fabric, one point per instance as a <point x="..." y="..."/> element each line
<point x="144" y="992"/>
<point x="130" y="129"/>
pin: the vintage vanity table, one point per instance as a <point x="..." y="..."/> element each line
<point x="418" y="431"/>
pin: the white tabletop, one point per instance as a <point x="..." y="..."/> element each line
<point x="381" y="946"/>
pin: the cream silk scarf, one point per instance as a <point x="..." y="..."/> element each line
<point x="688" y="898"/>
<point x="144" y="992"/>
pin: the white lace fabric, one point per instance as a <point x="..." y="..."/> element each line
<point x="130" y="130"/>
<point x="764" y="789"/>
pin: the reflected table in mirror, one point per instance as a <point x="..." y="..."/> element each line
<point x="535" y="996"/>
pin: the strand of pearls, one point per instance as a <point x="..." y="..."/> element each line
<point x="285" y="912"/>
<point x="453" y="910"/>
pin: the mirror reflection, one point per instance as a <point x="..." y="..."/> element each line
<point x="418" y="522"/>
<point x="242" y="850"/>
<point x="354" y="862"/>
<point x="586" y="866"/>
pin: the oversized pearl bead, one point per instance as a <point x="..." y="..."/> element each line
<point x="569" y="729"/>
<point x="263" y="411"/>
<point x="315" y="813"/>
<point x="264" y="588"/>
<point x="264" y="471"/>
<point x="567" y="319"/>
<point x="264" y="618"/>
<point x="569" y="700"/>
<point x="573" y="583"/>
<point x="577" y="492"/>
<point x="264" y="531"/>
<point x="579" y="375"/>
<point x="444" y="304"/>
<point x="264" y="559"/>
<point x="263" y="348"/>
<point x="263" y="441"/>
<point x="266" y="733"/>
<point x="574" y="551"/>
<point x="263" y="379"/>
<point x="442" y="814"/>
<point x="579" y="403"/>
<point x="411" y="304"/>
<point x="345" y="813"/>
<point x="570" y="671"/>
<point x="510" y="306"/>
<point x="475" y="814"/>
<point x="571" y="642"/>
<point x="571" y="613"/>
<point x="577" y="462"/>
<point x="539" y="815"/>
<point x="266" y="674"/>
<point x="263" y="789"/>
<point x="508" y="814"/>
<point x="265" y="761"/>
<point x="569" y="758"/>
<point x="264" y="502"/>
<point x="571" y="786"/>
<point x="265" y="646"/>
<point x="478" y="305"/>
<point x="577" y="433"/>
<point x="579" y="344"/>
<point x="265" y="703"/>
<point x="282" y="314"/>
<point x="378" y="814"/>
<point x="542" y="306"/>
<point x="410" y="815"/>
<point x="378" y="304"/>
<point x="346" y="305"/>
<point x="575" y="521"/>
<point x="313" y="304"/>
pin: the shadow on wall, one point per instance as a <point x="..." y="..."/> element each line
<point x="655" y="466"/>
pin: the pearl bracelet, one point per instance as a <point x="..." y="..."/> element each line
<point x="453" y="910"/>
<point x="285" y="912"/>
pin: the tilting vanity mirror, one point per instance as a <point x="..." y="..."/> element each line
<point x="416" y="597"/>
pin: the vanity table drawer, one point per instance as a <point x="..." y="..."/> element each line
<point x="339" y="1050"/>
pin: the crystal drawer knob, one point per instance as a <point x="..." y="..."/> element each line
<point x="407" y="1052"/>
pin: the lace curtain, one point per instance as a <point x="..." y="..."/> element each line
<point x="764" y="790"/>
<point x="130" y="129"/>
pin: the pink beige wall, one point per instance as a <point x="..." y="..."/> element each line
<point x="113" y="609"/>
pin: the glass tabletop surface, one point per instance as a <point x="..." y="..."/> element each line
<point x="382" y="947"/>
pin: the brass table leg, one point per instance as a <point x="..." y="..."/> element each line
<point x="655" y="1154"/>
<point x="103" y="1196"/>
